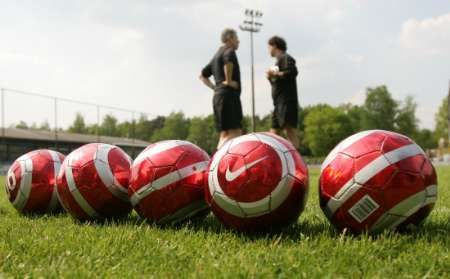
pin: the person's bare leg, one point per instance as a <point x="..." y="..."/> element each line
<point x="291" y="134"/>
<point x="227" y="135"/>
<point x="233" y="133"/>
<point x="275" y="131"/>
<point x="223" y="135"/>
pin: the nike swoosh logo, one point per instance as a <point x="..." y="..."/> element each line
<point x="232" y="175"/>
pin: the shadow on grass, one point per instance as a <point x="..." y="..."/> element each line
<point x="39" y="216"/>
<point x="3" y="211"/>
<point x="305" y="229"/>
<point x="128" y="220"/>
<point x="432" y="232"/>
<point x="295" y="232"/>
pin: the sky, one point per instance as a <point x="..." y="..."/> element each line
<point x="146" y="55"/>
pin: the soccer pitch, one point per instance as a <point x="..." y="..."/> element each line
<point x="57" y="246"/>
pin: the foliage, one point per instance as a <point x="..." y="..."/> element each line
<point x="202" y="132"/>
<point x="442" y="119"/>
<point x="176" y="126"/>
<point x="405" y="121"/>
<point x="78" y="126"/>
<point x="325" y="127"/>
<point x="320" y="126"/>
<point x="22" y="125"/>
<point x="380" y="109"/>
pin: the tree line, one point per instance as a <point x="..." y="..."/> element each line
<point x="321" y="126"/>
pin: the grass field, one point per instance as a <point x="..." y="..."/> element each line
<point x="56" y="246"/>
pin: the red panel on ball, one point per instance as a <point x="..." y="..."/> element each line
<point x="167" y="182"/>
<point x="93" y="182"/>
<point x="30" y="182"/>
<point x="393" y="184"/>
<point x="266" y="189"/>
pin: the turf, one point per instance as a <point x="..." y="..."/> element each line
<point x="56" y="246"/>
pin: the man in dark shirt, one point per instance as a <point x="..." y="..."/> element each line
<point x="282" y="78"/>
<point x="224" y="67"/>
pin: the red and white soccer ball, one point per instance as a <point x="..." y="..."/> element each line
<point x="257" y="182"/>
<point x="31" y="181"/>
<point x="93" y="182"/>
<point x="377" y="180"/>
<point x="167" y="181"/>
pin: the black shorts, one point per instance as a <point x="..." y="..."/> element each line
<point x="285" y="115"/>
<point x="227" y="110"/>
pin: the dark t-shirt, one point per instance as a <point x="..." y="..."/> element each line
<point x="216" y="68"/>
<point x="284" y="89"/>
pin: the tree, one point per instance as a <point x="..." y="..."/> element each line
<point x="22" y="125"/>
<point x="426" y="139"/>
<point x="441" y="118"/>
<point x="247" y="124"/>
<point x="125" y="129"/>
<point x="145" y="128"/>
<point x="45" y="126"/>
<point x="176" y="126"/>
<point x="406" y="122"/>
<point x="109" y="126"/>
<point x="202" y="132"/>
<point x="304" y="146"/>
<point x="355" y="114"/>
<point x="264" y="123"/>
<point x="78" y="125"/>
<point x="380" y="109"/>
<point x="325" y="127"/>
<point x="93" y="129"/>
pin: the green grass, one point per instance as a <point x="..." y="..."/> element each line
<point x="56" y="246"/>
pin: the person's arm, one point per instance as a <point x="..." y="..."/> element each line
<point x="228" y="70"/>
<point x="206" y="81"/>
<point x="272" y="74"/>
<point x="204" y="76"/>
<point x="289" y="70"/>
<point x="228" y="66"/>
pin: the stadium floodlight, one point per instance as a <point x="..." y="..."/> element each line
<point x="251" y="25"/>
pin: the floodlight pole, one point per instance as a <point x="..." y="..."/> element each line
<point x="252" y="26"/>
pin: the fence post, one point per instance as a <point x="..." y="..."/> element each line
<point x="3" y="112"/>
<point x="97" y="129"/>
<point x="5" y="157"/>
<point x="448" y="113"/>
<point x="133" y="134"/>
<point x="56" y="121"/>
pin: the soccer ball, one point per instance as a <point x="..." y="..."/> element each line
<point x="31" y="181"/>
<point x="93" y="182"/>
<point x="167" y="181"/>
<point x="257" y="182"/>
<point x="377" y="180"/>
